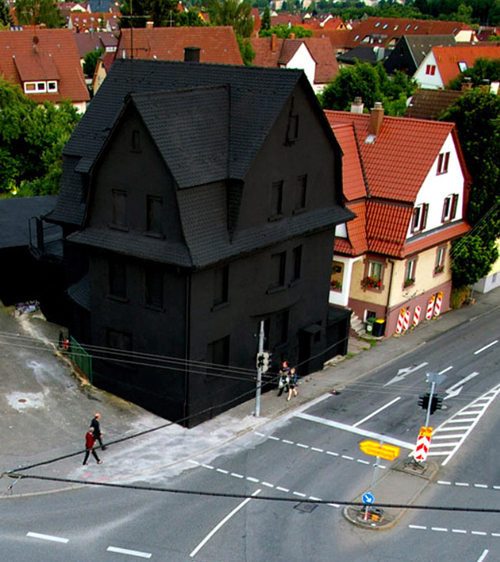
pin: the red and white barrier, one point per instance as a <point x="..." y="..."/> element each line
<point x="406" y="320"/>
<point x="416" y="316"/>
<point x="423" y="444"/>
<point x="430" y="308"/>
<point x="399" y="325"/>
<point x="437" y="306"/>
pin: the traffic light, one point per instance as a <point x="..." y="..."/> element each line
<point x="260" y="360"/>
<point x="264" y="361"/>
<point x="423" y="401"/>
<point x="436" y="403"/>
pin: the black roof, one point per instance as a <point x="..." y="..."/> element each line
<point x="248" y="98"/>
<point x="15" y="214"/>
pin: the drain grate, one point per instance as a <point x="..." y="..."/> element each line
<point x="305" y="507"/>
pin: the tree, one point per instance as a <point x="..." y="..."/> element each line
<point x="234" y="13"/>
<point x="90" y="62"/>
<point x="136" y="13"/>
<point x="483" y="71"/>
<point x="191" y="18"/>
<point x="472" y="258"/>
<point x="32" y="137"/>
<point x="265" y="23"/>
<point x="38" y="12"/>
<point x="286" y="31"/>
<point x="372" y="84"/>
<point x="5" y="17"/>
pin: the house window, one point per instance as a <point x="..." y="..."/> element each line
<point x="154" y="207"/>
<point x="282" y="320"/>
<point x="297" y="263"/>
<point x="119" y="208"/>
<point x="136" y="141"/>
<point x="373" y="279"/>
<point x="450" y="208"/>
<point x="153" y="281"/>
<point x="218" y="357"/>
<point x="279" y="269"/>
<point x="375" y="269"/>
<point x="440" y="260"/>
<point x="410" y="272"/>
<point x="337" y="275"/>
<point x="52" y="86"/>
<point x="443" y="160"/>
<point x="292" y="132"/>
<point x="419" y="219"/>
<point x="277" y="199"/>
<point x="300" y="196"/>
<point x="430" y="69"/>
<point x="462" y="65"/>
<point x="117" y="284"/>
<point x="118" y="340"/>
<point x="221" y="285"/>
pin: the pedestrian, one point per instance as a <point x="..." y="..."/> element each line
<point x="283" y="378"/>
<point x="96" y="426"/>
<point x="89" y="446"/>
<point x="292" y="385"/>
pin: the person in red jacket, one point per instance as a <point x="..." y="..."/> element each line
<point x="89" y="446"/>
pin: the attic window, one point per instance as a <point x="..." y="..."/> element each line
<point x="408" y="27"/>
<point x="292" y="133"/>
<point x="356" y="38"/>
<point x="443" y="161"/>
<point x="377" y="24"/>
<point x="386" y="25"/>
<point x="135" y="141"/>
<point x="462" y="65"/>
<point x="419" y="219"/>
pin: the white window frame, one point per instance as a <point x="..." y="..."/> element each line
<point x="373" y="266"/>
<point x="443" y="163"/>
<point x="449" y="207"/>
<point x="419" y="218"/>
<point x="411" y="266"/>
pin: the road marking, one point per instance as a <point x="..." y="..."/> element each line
<point x="446" y="370"/>
<point x="420" y="527"/>
<point x="485" y="347"/>
<point x="456" y="389"/>
<point x="236" y="475"/>
<point x="402" y="373"/>
<point x="439" y="529"/>
<point x="317" y="450"/>
<point x="252" y="479"/>
<point x="222" y="471"/>
<point x="129" y="552"/>
<point x="459" y="531"/>
<point x="483" y="555"/>
<point x="47" y="537"/>
<point x="456" y="531"/>
<point x="352" y="429"/>
<point x="474" y="412"/>
<point x="222" y="523"/>
<point x="377" y="412"/>
<point x="281" y="489"/>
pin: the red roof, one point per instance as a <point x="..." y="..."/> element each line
<point x="274" y="52"/>
<point x="449" y="58"/>
<point x="386" y="30"/>
<point x="395" y="164"/>
<point x="41" y="55"/>
<point x="216" y="44"/>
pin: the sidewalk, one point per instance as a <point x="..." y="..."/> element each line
<point x="46" y="411"/>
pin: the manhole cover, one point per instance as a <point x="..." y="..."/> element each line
<point x="306" y="507"/>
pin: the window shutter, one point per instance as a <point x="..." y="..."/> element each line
<point x="425" y="212"/>
<point x="444" y="214"/>
<point x="454" y="206"/>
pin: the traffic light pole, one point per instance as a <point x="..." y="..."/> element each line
<point x="428" y="414"/>
<point x="259" y="370"/>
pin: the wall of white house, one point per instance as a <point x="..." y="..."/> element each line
<point x="304" y="61"/>
<point x="437" y="187"/>
<point x="341" y="230"/>
<point x="426" y="80"/>
<point x="341" y="298"/>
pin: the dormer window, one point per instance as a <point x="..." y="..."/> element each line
<point x="40" y="87"/>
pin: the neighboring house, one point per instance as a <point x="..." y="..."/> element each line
<point x="88" y="42"/>
<point x="91" y="22"/>
<point x="410" y="51"/>
<point x="429" y="104"/>
<point x="386" y="32"/>
<point x="21" y="272"/>
<point x="215" y="44"/>
<point x="315" y="56"/>
<point x="406" y="181"/>
<point x="442" y="64"/>
<point x="197" y="201"/>
<point x="45" y="63"/>
<point x="372" y="54"/>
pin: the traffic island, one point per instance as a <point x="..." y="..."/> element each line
<point x="399" y="486"/>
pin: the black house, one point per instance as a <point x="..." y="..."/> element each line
<point x="197" y="201"/>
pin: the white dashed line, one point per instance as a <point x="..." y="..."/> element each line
<point x="361" y="461"/>
<point x="273" y="438"/>
<point x="459" y="531"/>
<point x="347" y="458"/>
<point x="461" y="483"/>
<point x="480" y="533"/>
<point x="444" y="482"/>
<point x="47" y="537"/>
<point x="480" y="486"/>
<point x="302" y="446"/>
<point x="281" y="489"/>
<point x="267" y="484"/>
<point x="300" y="494"/>
<point x="210" y="467"/>
<point x="129" y="552"/>
<point x="317" y="450"/>
<point x="236" y="475"/>
<point x="222" y="471"/>
<point x="252" y="479"/>
<point x="419" y="527"/>
<point x="332" y="453"/>
<point x="287" y="441"/>
<point x="485" y="347"/>
<point x="439" y="529"/>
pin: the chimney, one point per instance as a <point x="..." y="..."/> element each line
<point x="273" y="42"/>
<point x="292" y="35"/>
<point x="150" y="24"/>
<point x="191" y="54"/>
<point x="376" y="118"/>
<point x="357" y="105"/>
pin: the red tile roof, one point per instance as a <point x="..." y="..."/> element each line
<point x="385" y="30"/>
<point x="320" y="49"/>
<point x="448" y="58"/>
<point x="216" y="44"/>
<point x="395" y="164"/>
<point x="44" y="54"/>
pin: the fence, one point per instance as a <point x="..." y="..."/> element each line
<point x="81" y="359"/>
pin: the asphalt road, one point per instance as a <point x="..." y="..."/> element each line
<point x="312" y="454"/>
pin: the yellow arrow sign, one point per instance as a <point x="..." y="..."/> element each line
<point x="386" y="452"/>
<point x="425" y="432"/>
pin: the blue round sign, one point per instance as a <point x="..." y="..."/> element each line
<point x="368" y="499"/>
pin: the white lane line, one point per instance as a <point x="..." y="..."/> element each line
<point x="459" y="531"/>
<point x="483" y="555"/>
<point x="461" y="483"/>
<point x="222" y="471"/>
<point x="236" y="475"/>
<point x="129" y="552"/>
<point x="377" y="412"/>
<point x="480" y="533"/>
<point x="47" y="537"/>
<point x="350" y="428"/>
<point x="444" y="482"/>
<point x="419" y="527"/>
<point x="317" y="450"/>
<point x="252" y="479"/>
<point x="281" y="489"/>
<point x="446" y="370"/>
<point x="485" y="347"/>
<point x="347" y="458"/>
<point x="274" y="438"/>
<point x="287" y="441"/>
<point x="210" y="467"/>
<point x="480" y="486"/>
<point x="222" y="523"/>
<point x="439" y="529"/>
<point x="302" y="446"/>
<point x="268" y="484"/>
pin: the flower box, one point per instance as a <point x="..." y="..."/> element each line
<point x="371" y="283"/>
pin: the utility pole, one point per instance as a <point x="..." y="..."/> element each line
<point x="260" y="366"/>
